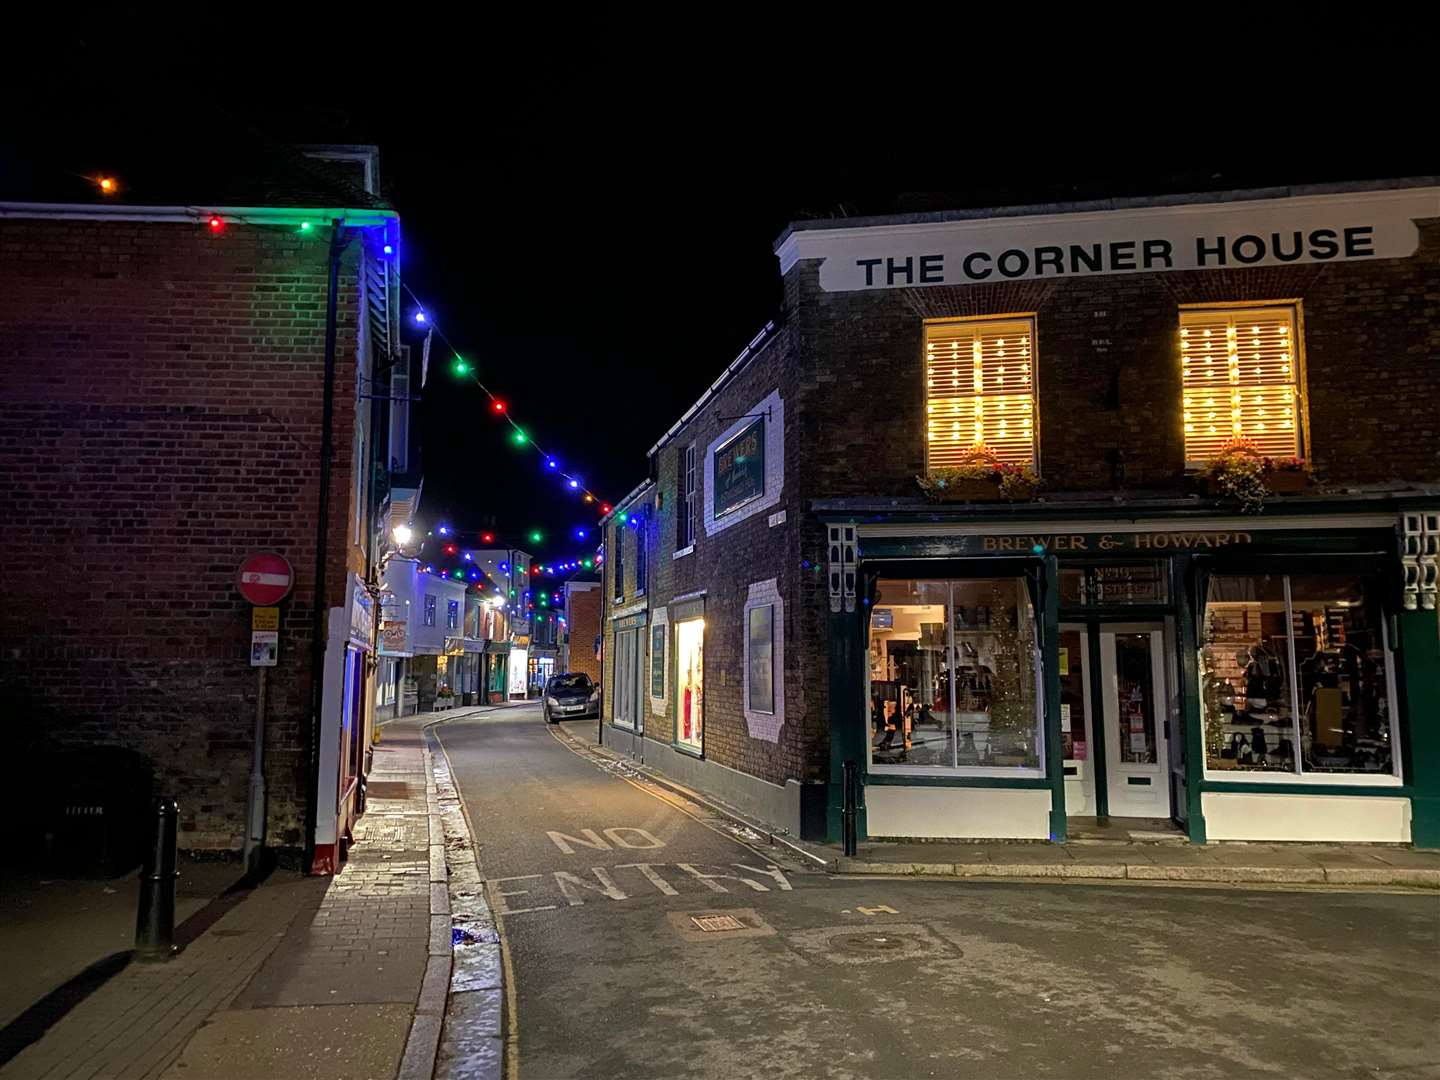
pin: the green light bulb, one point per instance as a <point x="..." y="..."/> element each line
<point x="534" y="537"/>
<point x="460" y="367"/>
<point x="304" y="226"/>
<point x="519" y="438"/>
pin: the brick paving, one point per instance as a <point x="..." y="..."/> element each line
<point x="305" y="956"/>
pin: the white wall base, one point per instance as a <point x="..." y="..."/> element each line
<point x="1334" y="818"/>
<point x="957" y="813"/>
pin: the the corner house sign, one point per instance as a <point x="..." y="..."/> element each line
<point x="1204" y="236"/>
<point x="740" y="469"/>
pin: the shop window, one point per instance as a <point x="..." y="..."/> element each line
<point x="979" y="391"/>
<point x="955" y="676"/>
<point x="690" y="684"/>
<point x="452" y="614"/>
<point x="1296" y="676"/>
<point x="429" y="610"/>
<point x="1240" y="372"/>
<point x="685" y="510"/>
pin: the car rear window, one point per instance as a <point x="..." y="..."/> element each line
<point x="570" y="682"/>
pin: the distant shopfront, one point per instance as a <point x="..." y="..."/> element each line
<point x="1243" y="678"/>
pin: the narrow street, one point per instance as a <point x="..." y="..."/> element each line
<point x="598" y="883"/>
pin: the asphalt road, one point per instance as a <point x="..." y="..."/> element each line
<point x="835" y="977"/>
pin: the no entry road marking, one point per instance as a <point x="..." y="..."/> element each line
<point x="574" y="889"/>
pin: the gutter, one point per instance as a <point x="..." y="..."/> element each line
<point x="249" y="215"/>
<point x="758" y="342"/>
<point x="628" y="500"/>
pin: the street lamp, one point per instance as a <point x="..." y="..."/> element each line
<point x="403" y="534"/>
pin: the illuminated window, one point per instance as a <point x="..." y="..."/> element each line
<point x="1240" y="372"/>
<point x="979" y="391"/>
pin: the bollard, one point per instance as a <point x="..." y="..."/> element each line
<point x="848" y="810"/>
<point x="155" y="921"/>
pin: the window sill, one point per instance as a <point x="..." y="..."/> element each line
<point x="688" y="750"/>
<point x="1315" y="780"/>
<point x="949" y="772"/>
<point x="682" y="552"/>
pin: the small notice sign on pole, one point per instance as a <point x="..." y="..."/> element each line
<point x="264" y="648"/>
<point x="265" y="618"/>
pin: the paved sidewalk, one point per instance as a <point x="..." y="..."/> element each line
<point x="1226" y="863"/>
<point x="306" y="977"/>
<point x="1231" y="863"/>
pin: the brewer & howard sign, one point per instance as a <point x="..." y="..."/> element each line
<point x="1348" y="227"/>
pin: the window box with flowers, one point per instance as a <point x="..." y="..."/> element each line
<point x="1241" y="472"/>
<point x="980" y="477"/>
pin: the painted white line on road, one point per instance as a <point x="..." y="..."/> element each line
<point x="648" y="869"/>
<point x="591" y="839"/>
<point x="607" y="887"/>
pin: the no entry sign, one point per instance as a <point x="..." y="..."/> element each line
<point x="265" y="578"/>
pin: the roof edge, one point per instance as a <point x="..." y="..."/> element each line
<point x="1195" y="198"/>
<point x="252" y="215"/>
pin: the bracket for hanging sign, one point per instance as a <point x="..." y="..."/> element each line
<point x="768" y="414"/>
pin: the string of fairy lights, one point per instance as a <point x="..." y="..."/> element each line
<point x="464" y="369"/>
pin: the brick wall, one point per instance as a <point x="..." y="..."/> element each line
<point x="725" y="564"/>
<point x="582" y="623"/>
<point x="162" y="420"/>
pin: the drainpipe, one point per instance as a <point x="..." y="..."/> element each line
<point x="339" y="241"/>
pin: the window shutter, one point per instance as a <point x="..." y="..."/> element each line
<point x="980" y="391"/>
<point x="1239" y="377"/>
<point x="400" y="414"/>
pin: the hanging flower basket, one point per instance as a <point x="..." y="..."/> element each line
<point x="980" y="477"/>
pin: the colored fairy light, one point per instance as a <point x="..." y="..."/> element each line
<point x="460" y="367"/>
<point x="217" y="223"/>
<point x="576" y="484"/>
<point x="604" y="508"/>
<point x="505" y="567"/>
<point x="305" y="226"/>
<point x="443" y="530"/>
<point x="420" y="316"/>
<point x="107" y="185"/>
<point x="487" y="538"/>
<point x="388" y="249"/>
<point x="519" y="438"/>
<point x="450" y="549"/>
<point x="459" y="573"/>
<point x="535" y="537"/>
<point x="579" y="534"/>
<point x="588" y="564"/>
<point x="467" y="556"/>
<point x="498" y="405"/>
<point x="552" y="464"/>
<point x="624" y="516"/>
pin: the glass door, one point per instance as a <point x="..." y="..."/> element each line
<point x="1076" y="733"/>
<point x="1133" y="693"/>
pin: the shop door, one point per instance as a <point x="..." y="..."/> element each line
<point x="1076" y="730"/>
<point x="1132" y="671"/>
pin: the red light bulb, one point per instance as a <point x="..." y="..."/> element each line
<point x="488" y="538"/>
<point x="217" y="223"/>
<point x="604" y="508"/>
<point x="498" y="406"/>
<point x="449" y="549"/>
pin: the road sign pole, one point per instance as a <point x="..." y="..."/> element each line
<point x="255" y="811"/>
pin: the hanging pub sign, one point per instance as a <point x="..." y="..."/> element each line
<point x="740" y="469"/>
<point x="1338" y="227"/>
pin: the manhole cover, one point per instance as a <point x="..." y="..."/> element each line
<point x="871" y="943"/>
<point x="713" y="923"/>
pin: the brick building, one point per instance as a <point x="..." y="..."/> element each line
<point x="848" y="559"/>
<point x="580" y="651"/>
<point x="166" y="339"/>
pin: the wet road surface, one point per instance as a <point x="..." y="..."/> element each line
<point x="792" y="973"/>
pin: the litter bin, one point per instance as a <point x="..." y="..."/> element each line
<point x="95" y="825"/>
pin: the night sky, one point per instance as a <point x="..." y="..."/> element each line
<point x="591" y="219"/>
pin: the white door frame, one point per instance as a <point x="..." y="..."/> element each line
<point x="1080" y="784"/>
<point x="1135" y="790"/>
